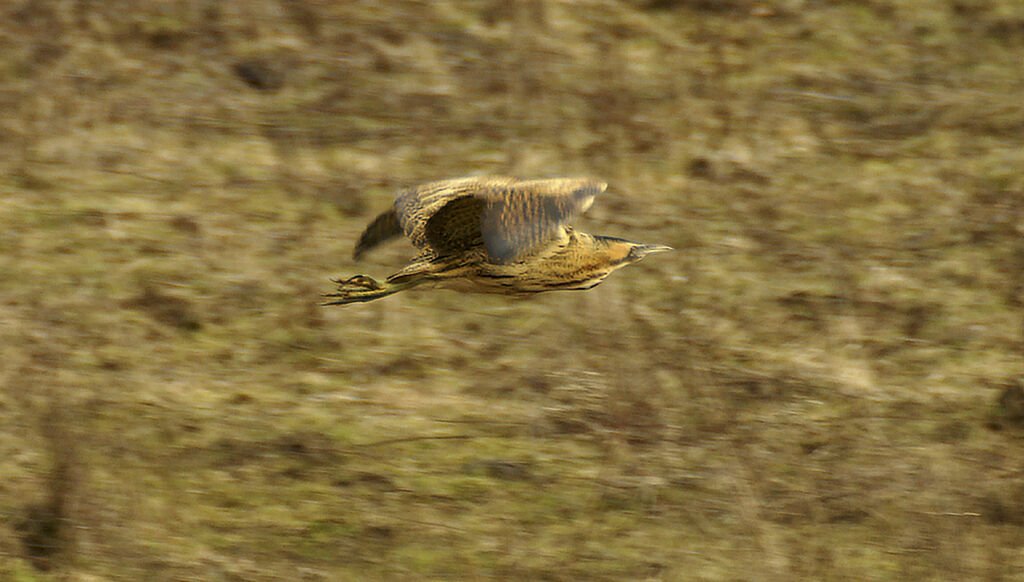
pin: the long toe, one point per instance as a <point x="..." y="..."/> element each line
<point x="362" y="282"/>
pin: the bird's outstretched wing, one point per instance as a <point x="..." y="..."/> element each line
<point x="511" y="218"/>
<point x="417" y="207"/>
<point x="519" y="218"/>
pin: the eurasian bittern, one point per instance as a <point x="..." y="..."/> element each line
<point x="494" y="235"/>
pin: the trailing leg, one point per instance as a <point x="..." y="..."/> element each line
<point x="360" y="289"/>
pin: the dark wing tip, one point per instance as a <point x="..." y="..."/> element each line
<point x="383" y="228"/>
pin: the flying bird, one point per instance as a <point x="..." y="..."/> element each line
<point x="493" y="234"/>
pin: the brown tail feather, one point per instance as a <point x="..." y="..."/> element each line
<point x="383" y="228"/>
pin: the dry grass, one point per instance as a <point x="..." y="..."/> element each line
<point x="824" y="383"/>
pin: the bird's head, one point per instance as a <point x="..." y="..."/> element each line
<point x="623" y="252"/>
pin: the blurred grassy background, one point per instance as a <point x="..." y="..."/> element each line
<point x="822" y="383"/>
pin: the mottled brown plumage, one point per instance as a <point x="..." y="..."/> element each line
<point x="493" y="234"/>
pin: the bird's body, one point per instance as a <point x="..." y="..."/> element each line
<point x="493" y="235"/>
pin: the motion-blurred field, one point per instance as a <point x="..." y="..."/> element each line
<point x="821" y="384"/>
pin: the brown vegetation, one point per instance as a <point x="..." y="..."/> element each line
<point x="822" y="383"/>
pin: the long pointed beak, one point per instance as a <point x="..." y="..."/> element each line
<point x="648" y="249"/>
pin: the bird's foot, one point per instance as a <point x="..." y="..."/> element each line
<point x="355" y="290"/>
<point x="361" y="282"/>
